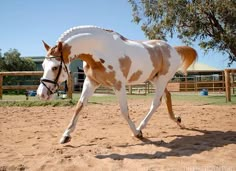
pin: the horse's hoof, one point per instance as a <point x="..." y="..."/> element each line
<point x="65" y="139"/>
<point x="178" y="119"/>
<point x="139" y="135"/>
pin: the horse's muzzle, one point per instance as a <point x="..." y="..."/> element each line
<point x="43" y="93"/>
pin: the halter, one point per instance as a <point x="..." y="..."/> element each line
<point x="55" y="82"/>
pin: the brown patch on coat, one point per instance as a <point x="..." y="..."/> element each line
<point x="123" y="38"/>
<point x="90" y="61"/>
<point x="102" y="60"/>
<point x="59" y="50"/>
<point x="169" y="104"/>
<point x="159" y="54"/>
<point x="110" y="67"/>
<point x="66" y="51"/>
<point x="118" y="85"/>
<point x="125" y="64"/>
<point x="108" y="30"/>
<point x="135" y="76"/>
<point x="54" y="51"/>
<point x="96" y="71"/>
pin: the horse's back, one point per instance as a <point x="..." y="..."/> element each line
<point x="132" y="61"/>
<point x="152" y="58"/>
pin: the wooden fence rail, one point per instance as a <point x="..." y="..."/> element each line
<point x="26" y="87"/>
<point x="139" y="89"/>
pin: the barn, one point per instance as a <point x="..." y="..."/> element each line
<point x="199" y="76"/>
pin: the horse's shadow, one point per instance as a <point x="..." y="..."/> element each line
<point x="183" y="145"/>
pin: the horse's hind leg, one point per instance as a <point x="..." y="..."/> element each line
<point x="88" y="89"/>
<point x="170" y="109"/>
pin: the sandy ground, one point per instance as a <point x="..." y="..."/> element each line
<point x="102" y="141"/>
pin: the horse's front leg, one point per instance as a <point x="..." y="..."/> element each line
<point x="121" y="95"/>
<point x="88" y="89"/>
<point x="71" y="127"/>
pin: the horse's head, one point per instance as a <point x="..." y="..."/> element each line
<point x="55" y="66"/>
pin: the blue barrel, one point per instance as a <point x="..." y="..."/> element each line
<point x="204" y="92"/>
<point x="32" y="93"/>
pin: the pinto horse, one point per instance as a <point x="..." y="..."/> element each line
<point x="111" y="60"/>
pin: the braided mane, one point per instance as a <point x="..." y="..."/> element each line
<point x="80" y="29"/>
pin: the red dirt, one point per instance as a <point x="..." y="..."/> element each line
<point x="29" y="138"/>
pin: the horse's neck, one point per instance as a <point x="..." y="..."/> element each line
<point x="86" y="43"/>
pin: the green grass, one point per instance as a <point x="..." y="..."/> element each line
<point x="30" y="103"/>
<point x="214" y="99"/>
<point x="20" y="100"/>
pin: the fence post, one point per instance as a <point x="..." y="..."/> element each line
<point x="70" y="86"/>
<point x="1" y="82"/>
<point x="233" y="80"/>
<point x="227" y="85"/>
<point x="146" y="87"/>
<point x="185" y="83"/>
<point x="130" y="89"/>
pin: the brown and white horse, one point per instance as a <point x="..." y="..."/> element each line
<point x="109" y="59"/>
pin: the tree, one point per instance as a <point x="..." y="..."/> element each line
<point x="1" y="60"/>
<point x="11" y="61"/>
<point x="211" y="22"/>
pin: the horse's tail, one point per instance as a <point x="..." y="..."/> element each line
<point x="188" y="55"/>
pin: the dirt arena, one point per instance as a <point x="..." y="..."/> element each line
<point x="102" y="141"/>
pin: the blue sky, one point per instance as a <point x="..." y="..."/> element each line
<point x="25" y="23"/>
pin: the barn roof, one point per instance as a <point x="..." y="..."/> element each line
<point x="201" y="67"/>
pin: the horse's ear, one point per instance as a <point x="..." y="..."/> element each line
<point x="59" y="46"/>
<point x="47" y="47"/>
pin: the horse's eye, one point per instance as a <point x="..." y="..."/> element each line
<point x="54" y="68"/>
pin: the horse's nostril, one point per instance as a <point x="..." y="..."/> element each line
<point x="42" y="96"/>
